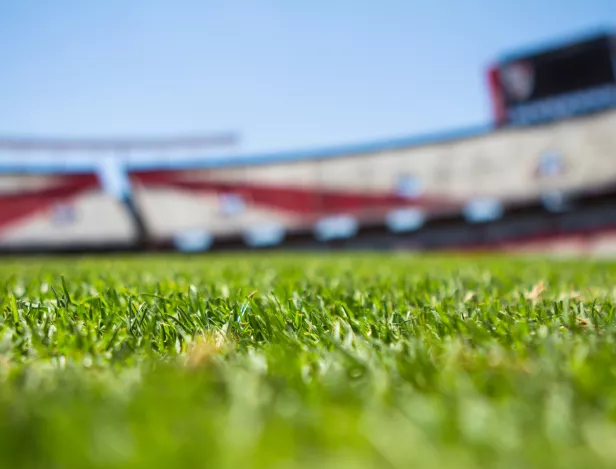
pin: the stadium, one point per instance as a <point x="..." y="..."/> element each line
<point x="541" y="176"/>
<point x="170" y="302"/>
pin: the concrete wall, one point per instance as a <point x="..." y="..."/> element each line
<point x="294" y="194"/>
<point x="502" y="165"/>
<point x="58" y="210"/>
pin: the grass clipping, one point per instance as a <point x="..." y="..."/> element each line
<point x="206" y="348"/>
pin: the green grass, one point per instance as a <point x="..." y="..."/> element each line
<point x="296" y="361"/>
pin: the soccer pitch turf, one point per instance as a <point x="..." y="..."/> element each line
<point x="298" y="360"/>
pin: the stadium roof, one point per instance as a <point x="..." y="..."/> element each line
<point x="194" y="142"/>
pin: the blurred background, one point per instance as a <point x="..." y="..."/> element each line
<point x="207" y="126"/>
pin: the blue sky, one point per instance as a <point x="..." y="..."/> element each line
<point x="283" y="74"/>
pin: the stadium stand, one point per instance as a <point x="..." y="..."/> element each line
<point x="435" y="178"/>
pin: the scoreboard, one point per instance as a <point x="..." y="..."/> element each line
<point x="556" y="83"/>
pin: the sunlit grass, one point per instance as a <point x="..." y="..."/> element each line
<point x="307" y="361"/>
